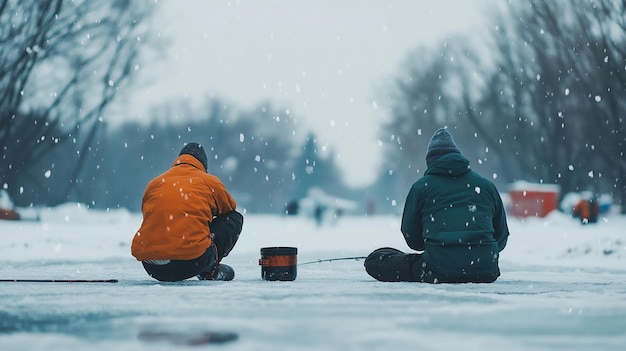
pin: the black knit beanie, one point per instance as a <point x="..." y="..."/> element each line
<point x="440" y="144"/>
<point x="196" y="150"/>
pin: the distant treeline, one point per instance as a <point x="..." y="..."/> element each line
<point x="261" y="155"/>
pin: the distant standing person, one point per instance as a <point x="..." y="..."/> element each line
<point x="190" y="222"/>
<point x="452" y="214"/>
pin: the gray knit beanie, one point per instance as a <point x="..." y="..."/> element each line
<point x="196" y="150"/>
<point x="440" y="144"/>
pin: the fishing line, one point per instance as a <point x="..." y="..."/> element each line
<point x="356" y="258"/>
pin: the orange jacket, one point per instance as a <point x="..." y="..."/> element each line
<point x="178" y="207"/>
<point x="587" y="209"/>
<point x="581" y="209"/>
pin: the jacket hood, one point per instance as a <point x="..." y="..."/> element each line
<point x="451" y="165"/>
<point x="190" y="160"/>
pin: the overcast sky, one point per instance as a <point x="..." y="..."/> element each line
<point x="328" y="61"/>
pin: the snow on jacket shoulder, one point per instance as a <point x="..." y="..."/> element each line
<point x="178" y="207"/>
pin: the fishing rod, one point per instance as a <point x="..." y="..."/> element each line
<point x="58" y="280"/>
<point x="356" y="258"/>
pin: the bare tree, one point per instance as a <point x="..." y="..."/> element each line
<point x="547" y="101"/>
<point x="65" y="61"/>
<point x="420" y="102"/>
<point x="427" y="94"/>
<point x="558" y="86"/>
<point x="605" y="24"/>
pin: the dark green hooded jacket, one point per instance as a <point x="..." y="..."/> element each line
<point x="457" y="218"/>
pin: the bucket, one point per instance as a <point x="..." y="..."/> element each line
<point x="279" y="263"/>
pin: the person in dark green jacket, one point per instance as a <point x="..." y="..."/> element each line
<point x="454" y="217"/>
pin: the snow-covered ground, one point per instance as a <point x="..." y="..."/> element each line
<point x="563" y="287"/>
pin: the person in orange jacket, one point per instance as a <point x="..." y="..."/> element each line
<point x="190" y="222"/>
<point x="587" y="210"/>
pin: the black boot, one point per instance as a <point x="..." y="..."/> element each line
<point x="222" y="272"/>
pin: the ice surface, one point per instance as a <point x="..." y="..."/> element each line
<point x="563" y="287"/>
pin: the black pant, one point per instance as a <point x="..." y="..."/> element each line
<point x="225" y="231"/>
<point x="177" y="270"/>
<point x="391" y="265"/>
